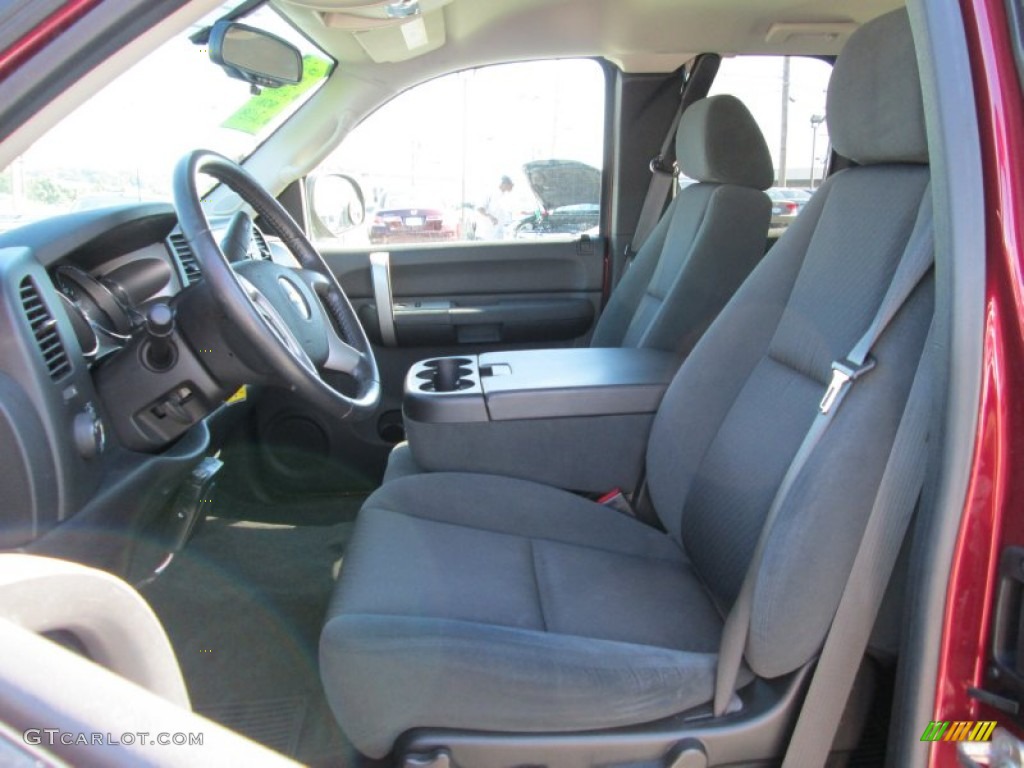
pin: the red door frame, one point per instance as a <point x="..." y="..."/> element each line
<point x="996" y="487"/>
<point x="42" y="35"/>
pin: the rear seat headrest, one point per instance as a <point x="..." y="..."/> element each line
<point x="718" y="141"/>
<point x="875" y="112"/>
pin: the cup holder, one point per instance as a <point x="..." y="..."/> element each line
<point x="446" y="374"/>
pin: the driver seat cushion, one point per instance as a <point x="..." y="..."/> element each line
<point x="580" y="615"/>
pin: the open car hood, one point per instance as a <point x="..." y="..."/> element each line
<point x="558" y="183"/>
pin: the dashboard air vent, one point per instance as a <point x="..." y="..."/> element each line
<point x="261" y="244"/>
<point x="44" y="328"/>
<point x="187" y="259"/>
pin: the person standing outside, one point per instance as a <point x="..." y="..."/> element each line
<point x="497" y="210"/>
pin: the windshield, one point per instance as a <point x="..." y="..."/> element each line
<point x="121" y="145"/>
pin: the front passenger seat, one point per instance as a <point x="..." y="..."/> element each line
<point x="713" y="233"/>
<point x="706" y="243"/>
<point x="479" y="603"/>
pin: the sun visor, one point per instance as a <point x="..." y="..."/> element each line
<point x="413" y="37"/>
<point x="388" y="30"/>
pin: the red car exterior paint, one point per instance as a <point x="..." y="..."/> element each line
<point x="41" y="36"/>
<point x="996" y="491"/>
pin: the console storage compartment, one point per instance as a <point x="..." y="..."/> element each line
<point x="574" y="418"/>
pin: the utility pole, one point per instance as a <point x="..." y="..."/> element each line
<point x="816" y="120"/>
<point x="785" y="121"/>
<point x="463" y="196"/>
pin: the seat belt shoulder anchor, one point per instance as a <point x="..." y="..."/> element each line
<point x="658" y="165"/>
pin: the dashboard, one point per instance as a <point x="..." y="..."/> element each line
<point x="77" y="293"/>
<point x="106" y="305"/>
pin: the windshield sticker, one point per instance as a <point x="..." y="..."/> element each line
<point x="253" y="116"/>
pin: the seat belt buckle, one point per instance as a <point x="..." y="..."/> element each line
<point x="617" y="500"/>
<point x="843" y="373"/>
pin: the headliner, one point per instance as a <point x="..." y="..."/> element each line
<point x="637" y="35"/>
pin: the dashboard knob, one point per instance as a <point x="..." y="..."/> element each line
<point x="88" y="432"/>
<point x="159" y="352"/>
<point x="160" y="320"/>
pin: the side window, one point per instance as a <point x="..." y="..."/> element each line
<point x="505" y="152"/>
<point x="786" y="95"/>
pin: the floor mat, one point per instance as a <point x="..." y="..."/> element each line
<point x="275" y="723"/>
<point x="316" y="511"/>
<point x="243" y="605"/>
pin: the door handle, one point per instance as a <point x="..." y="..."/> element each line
<point x="380" y="275"/>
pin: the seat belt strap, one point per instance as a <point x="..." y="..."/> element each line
<point x="887" y="525"/>
<point x="663" y="174"/>
<point x="654" y="203"/>
<point x="914" y="263"/>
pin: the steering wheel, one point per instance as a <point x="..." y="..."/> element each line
<point x="297" y="322"/>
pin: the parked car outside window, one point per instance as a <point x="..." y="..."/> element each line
<point x="786" y="204"/>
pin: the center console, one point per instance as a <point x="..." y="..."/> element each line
<point x="574" y="418"/>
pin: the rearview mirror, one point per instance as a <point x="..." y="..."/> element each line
<point x="257" y="57"/>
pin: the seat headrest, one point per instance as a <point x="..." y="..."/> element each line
<point x="718" y="141"/>
<point x="875" y="112"/>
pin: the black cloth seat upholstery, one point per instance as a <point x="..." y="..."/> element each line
<point x="708" y="240"/>
<point x="486" y="603"/>
<point x="545" y="607"/>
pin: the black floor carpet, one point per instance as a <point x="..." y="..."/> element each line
<point x="243" y="605"/>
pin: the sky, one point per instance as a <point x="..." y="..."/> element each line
<point x="757" y="82"/>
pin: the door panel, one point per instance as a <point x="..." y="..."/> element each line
<point x="485" y="296"/>
<point x="516" y="267"/>
<point x="493" y="293"/>
<point x="484" y="320"/>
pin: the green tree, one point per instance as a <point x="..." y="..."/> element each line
<point x="49" y="192"/>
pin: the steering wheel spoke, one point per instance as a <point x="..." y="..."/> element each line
<point x="297" y="322"/>
<point x="276" y="323"/>
<point x="342" y="357"/>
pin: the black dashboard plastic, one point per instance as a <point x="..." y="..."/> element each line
<point x="94" y="237"/>
<point x="30" y="503"/>
<point x="30" y="334"/>
<point x="59" y="458"/>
